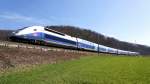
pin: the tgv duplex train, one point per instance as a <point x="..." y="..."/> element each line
<point x="47" y="36"/>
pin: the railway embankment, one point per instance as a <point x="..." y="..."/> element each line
<point x="14" y="54"/>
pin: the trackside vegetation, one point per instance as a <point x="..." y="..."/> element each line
<point x="103" y="69"/>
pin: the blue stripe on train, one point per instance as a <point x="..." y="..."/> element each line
<point x="58" y="39"/>
<point x="82" y="45"/>
<point x="49" y="38"/>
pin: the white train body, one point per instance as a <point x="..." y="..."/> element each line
<point x="48" y="36"/>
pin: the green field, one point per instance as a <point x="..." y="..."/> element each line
<point x="87" y="70"/>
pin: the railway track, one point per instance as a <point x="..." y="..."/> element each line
<point x="10" y="44"/>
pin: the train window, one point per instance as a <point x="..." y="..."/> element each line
<point x="34" y="29"/>
<point x="50" y="30"/>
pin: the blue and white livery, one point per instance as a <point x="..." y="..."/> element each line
<point x="44" y="36"/>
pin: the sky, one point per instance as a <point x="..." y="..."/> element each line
<point x="126" y="20"/>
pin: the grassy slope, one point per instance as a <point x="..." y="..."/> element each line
<point x="87" y="70"/>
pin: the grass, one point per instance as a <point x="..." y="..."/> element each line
<point x="87" y="70"/>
